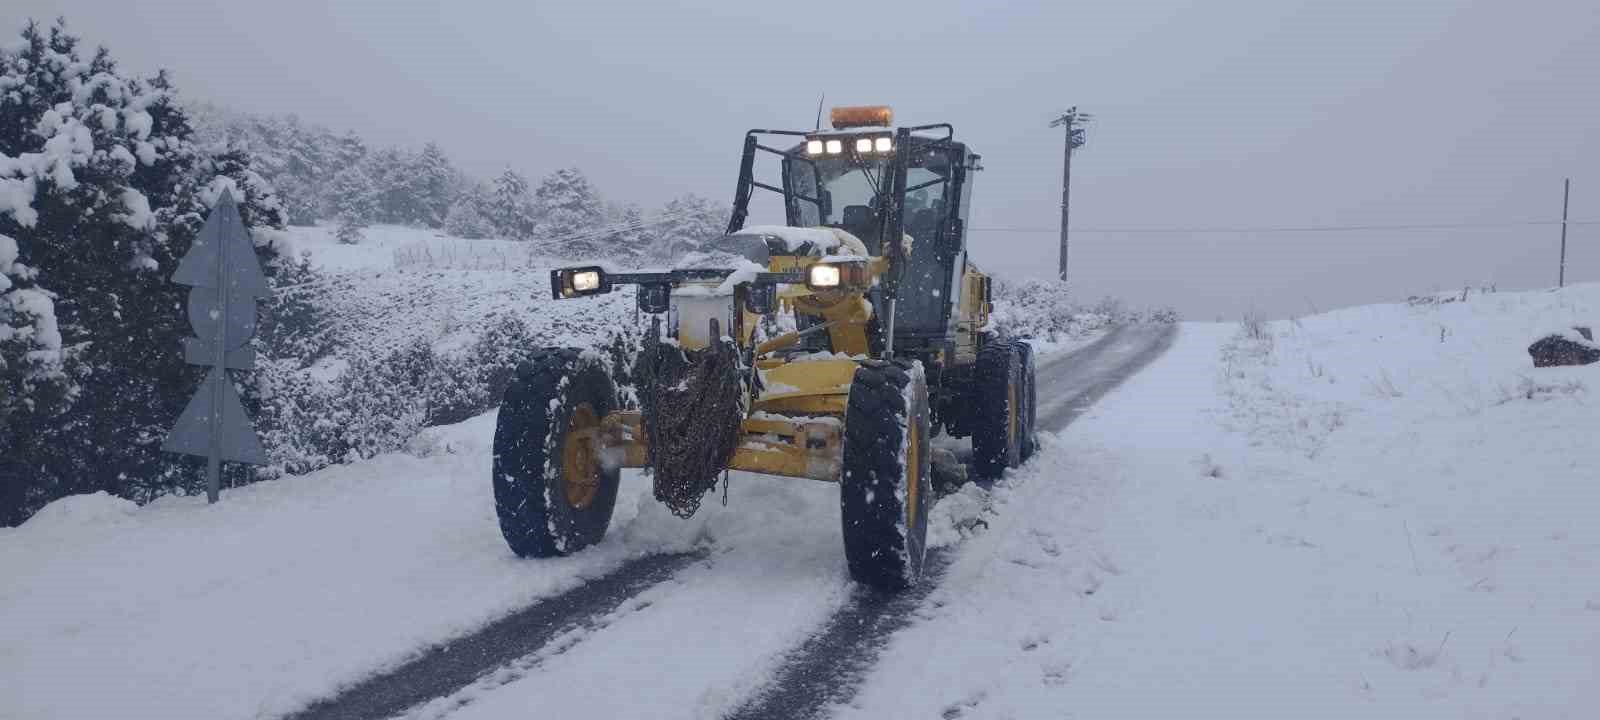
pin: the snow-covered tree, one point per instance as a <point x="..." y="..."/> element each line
<point x="467" y="217"/>
<point x="295" y="158"/>
<point x="570" y="214"/>
<point x="434" y="185"/>
<point x="689" y="223"/>
<point x="349" y="149"/>
<point x="352" y="198"/>
<point x="102" y="189"/>
<point x="510" y="209"/>
<point x="630" y="237"/>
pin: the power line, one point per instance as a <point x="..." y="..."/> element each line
<point x="1287" y="228"/>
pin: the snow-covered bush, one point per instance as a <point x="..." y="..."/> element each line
<point x="1046" y="310"/>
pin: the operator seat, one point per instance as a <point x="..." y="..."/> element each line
<point x="862" y="222"/>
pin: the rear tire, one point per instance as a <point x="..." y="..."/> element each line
<point x="1030" y="402"/>
<point x="997" y="410"/>
<point x="886" y="488"/>
<point x="552" y="493"/>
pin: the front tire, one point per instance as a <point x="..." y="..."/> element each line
<point x="999" y="410"/>
<point x="886" y="489"/>
<point x="552" y="492"/>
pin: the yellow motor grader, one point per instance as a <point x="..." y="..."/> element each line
<point x="883" y="344"/>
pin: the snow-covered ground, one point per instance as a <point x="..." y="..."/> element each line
<point x="288" y="589"/>
<point x="1383" y="511"/>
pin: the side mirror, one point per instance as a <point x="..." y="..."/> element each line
<point x="578" y="282"/>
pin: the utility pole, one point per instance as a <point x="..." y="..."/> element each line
<point x="1566" y="192"/>
<point x="1073" y="121"/>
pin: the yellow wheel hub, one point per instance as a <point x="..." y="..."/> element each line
<point x="580" y="457"/>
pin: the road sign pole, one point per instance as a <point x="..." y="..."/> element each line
<point x="219" y="374"/>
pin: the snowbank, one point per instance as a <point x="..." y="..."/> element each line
<point x="289" y="589"/>
<point x="1383" y="511"/>
<point x="279" y="594"/>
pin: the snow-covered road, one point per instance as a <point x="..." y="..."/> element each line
<point x="765" y="625"/>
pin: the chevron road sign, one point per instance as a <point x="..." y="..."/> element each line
<point x="225" y="281"/>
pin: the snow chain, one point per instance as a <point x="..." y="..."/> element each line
<point x="693" y="407"/>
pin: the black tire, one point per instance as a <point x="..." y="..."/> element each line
<point x="1030" y="400"/>
<point x="886" y="489"/>
<point x="545" y="508"/>
<point x="997" y="410"/>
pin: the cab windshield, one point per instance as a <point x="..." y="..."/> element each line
<point x="848" y="189"/>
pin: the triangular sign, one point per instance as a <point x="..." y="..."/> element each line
<point x="193" y="432"/>
<point x="223" y="228"/>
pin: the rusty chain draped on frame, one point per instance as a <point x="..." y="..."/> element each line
<point x="692" y="403"/>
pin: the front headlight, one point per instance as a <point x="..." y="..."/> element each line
<point x="578" y="282"/>
<point x="840" y="274"/>
<point x="823" y="276"/>
<point x="586" y="280"/>
<point x="813" y="147"/>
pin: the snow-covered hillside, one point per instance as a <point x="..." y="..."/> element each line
<point x="1383" y="511"/>
<point x="402" y="284"/>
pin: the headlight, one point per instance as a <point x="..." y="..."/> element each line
<point x="823" y="276"/>
<point x="864" y="145"/>
<point x="577" y="282"/>
<point x="841" y="274"/>
<point x="835" y="147"/>
<point x="813" y="147"/>
<point x="883" y="144"/>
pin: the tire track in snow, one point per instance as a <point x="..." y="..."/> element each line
<point x="829" y="666"/>
<point x="456" y="664"/>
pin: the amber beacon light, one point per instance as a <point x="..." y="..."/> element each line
<point x="862" y="116"/>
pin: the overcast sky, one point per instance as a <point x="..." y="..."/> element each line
<point x="1245" y="113"/>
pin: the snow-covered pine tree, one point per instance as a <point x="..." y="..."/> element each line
<point x="352" y="202"/>
<point x="435" y="183"/>
<point x="467" y="217"/>
<point x="631" y="239"/>
<point x="390" y="170"/>
<point x="510" y="208"/>
<point x="290" y="155"/>
<point x="349" y="150"/>
<point x="569" y="214"/>
<point x="101" y="190"/>
<point x="690" y="223"/>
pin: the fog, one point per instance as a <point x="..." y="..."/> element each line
<point x="1240" y="114"/>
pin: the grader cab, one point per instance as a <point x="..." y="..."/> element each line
<point x="882" y="346"/>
